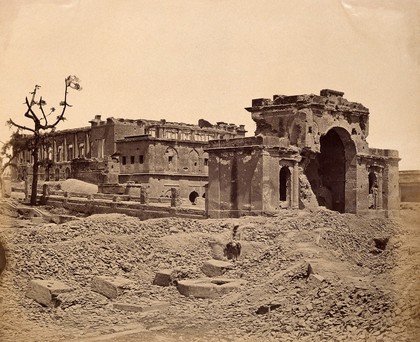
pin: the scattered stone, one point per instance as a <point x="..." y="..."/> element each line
<point x="216" y="268"/>
<point x="208" y="287"/>
<point x="316" y="278"/>
<point x="169" y="277"/>
<point x="45" y="292"/>
<point x="110" y="287"/>
<point x="163" y="277"/>
<point x="141" y="307"/>
<point x="263" y="309"/>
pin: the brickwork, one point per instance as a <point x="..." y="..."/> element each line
<point x="119" y="151"/>
<point x="318" y="138"/>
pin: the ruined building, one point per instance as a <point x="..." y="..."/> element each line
<point x="114" y="152"/>
<point x="308" y="150"/>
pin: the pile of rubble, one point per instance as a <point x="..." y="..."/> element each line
<point x="294" y="288"/>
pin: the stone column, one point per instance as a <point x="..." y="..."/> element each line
<point x="64" y="148"/>
<point x="87" y="144"/>
<point x="144" y="194"/>
<point x="76" y="147"/>
<point x="175" y="199"/>
<point x="54" y="151"/>
<point x="295" y="186"/>
<point x="379" y="178"/>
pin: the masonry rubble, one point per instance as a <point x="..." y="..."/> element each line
<point x="107" y="244"/>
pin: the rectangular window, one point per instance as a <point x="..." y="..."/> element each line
<point x="141" y="159"/>
<point x="132" y="159"/>
<point x="206" y="161"/>
<point x="59" y="154"/>
<point x="70" y="153"/>
<point x="124" y="160"/>
<point x="170" y="159"/>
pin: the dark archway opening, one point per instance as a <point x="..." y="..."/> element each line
<point x="332" y="169"/>
<point x="57" y="175"/>
<point x="193" y="196"/>
<point x="332" y="172"/>
<point x="284" y="183"/>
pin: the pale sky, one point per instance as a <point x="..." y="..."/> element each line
<point x="185" y="60"/>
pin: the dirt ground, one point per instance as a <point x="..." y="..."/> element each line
<point x="369" y="292"/>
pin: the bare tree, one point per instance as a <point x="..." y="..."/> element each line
<point x="41" y="127"/>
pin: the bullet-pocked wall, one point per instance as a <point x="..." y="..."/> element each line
<point x="319" y="139"/>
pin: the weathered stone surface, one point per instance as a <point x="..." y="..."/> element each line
<point x="215" y="268"/>
<point x="310" y="147"/>
<point x="141" y="307"/>
<point x="110" y="287"/>
<point x="46" y="291"/>
<point x="163" y="277"/>
<point x="208" y="287"/>
<point x="316" y="278"/>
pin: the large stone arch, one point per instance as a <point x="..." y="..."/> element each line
<point x="332" y="173"/>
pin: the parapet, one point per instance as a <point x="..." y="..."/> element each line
<point x="328" y="99"/>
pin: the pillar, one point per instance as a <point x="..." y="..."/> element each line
<point x="144" y="194"/>
<point x="64" y="148"/>
<point x="295" y="186"/>
<point x="175" y="198"/>
<point x="380" y="186"/>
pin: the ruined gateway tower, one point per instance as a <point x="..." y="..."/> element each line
<point x="308" y="150"/>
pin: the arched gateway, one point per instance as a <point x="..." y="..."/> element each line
<point x="309" y="150"/>
<point x="332" y="176"/>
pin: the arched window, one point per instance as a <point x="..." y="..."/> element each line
<point x="193" y="196"/>
<point x="284" y="184"/>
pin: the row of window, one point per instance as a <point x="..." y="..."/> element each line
<point x="182" y="135"/>
<point x="132" y="159"/>
<point x="140" y="160"/>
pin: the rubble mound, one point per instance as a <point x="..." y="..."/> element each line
<point x="78" y="186"/>
<point x="310" y="275"/>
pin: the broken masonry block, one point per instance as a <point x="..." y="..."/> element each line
<point x="208" y="287"/>
<point x="215" y="268"/>
<point x="316" y="278"/>
<point x="263" y="309"/>
<point x="217" y="249"/>
<point x="141" y="307"/>
<point x="168" y="277"/>
<point x="110" y="287"/>
<point x="45" y="291"/>
<point x="163" y="277"/>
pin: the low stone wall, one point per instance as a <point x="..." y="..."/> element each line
<point x="117" y="205"/>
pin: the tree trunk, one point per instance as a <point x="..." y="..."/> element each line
<point x="34" y="176"/>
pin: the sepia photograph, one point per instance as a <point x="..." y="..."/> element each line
<point x="209" y="170"/>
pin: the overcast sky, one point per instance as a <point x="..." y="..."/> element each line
<point x="186" y="60"/>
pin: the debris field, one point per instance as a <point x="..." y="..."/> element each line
<point x="305" y="276"/>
